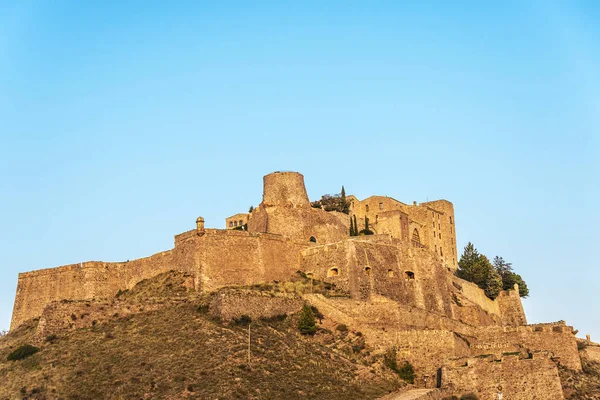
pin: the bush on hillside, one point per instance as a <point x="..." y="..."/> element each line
<point x="22" y="352"/>
<point x="307" y="323"/>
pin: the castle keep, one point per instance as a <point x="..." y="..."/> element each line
<point x="402" y="290"/>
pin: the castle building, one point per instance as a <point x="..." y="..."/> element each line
<point x="400" y="282"/>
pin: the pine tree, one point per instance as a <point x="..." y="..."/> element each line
<point x="492" y="284"/>
<point x="467" y="262"/>
<point x="345" y="207"/>
<point x="307" y="323"/>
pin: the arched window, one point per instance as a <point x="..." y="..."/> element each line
<point x="415" y="236"/>
<point x="333" y="272"/>
<point x="241" y="222"/>
<point x="230" y="224"/>
<point x="312" y="239"/>
<point x="409" y="275"/>
<point x="234" y="223"/>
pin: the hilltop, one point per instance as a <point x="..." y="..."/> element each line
<point x="180" y="350"/>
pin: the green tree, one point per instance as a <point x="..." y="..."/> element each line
<point x="467" y="262"/>
<point x="493" y="284"/>
<point x="351" y="227"/>
<point x="509" y="277"/>
<point x="307" y="322"/>
<point x="476" y="268"/>
<point x="251" y="209"/>
<point x="345" y="206"/>
<point x="355" y="226"/>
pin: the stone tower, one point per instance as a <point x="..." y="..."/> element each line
<point x="285" y="189"/>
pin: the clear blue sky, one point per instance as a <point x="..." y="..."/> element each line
<point x="121" y="122"/>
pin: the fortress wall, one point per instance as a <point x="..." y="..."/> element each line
<point x="227" y="258"/>
<point x="511" y="308"/>
<point x="81" y="281"/>
<point x="299" y="223"/>
<point x="557" y="338"/>
<point x="232" y="304"/>
<point x="521" y="379"/>
<point x="427" y="350"/>
<point x="476" y="295"/>
<point x="378" y="267"/>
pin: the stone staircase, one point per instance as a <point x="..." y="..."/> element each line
<point x="413" y="394"/>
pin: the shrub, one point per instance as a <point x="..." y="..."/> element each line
<point x="307" y="323"/>
<point x="51" y="338"/>
<point x="22" y="352"/>
<point x="406" y="372"/>
<point x="470" y="396"/>
<point x="341" y="328"/>
<point x="202" y="309"/>
<point x="243" y="320"/>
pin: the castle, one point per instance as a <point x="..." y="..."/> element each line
<point x="401" y="282"/>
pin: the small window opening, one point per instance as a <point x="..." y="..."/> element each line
<point x="440" y="235"/>
<point x="433" y="224"/>
<point x="234" y="223"/>
<point x="391" y="273"/>
<point x="368" y="270"/>
<point x="376" y="218"/>
<point x="439" y="226"/>
<point x="450" y="219"/>
<point x="441" y="252"/>
<point x="241" y="222"/>
<point x="333" y="272"/>
<point x="367" y="208"/>
<point x="381" y="206"/>
<point x="409" y="275"/>
<point x="230" y="224"/>
<point x="312" y="239"/>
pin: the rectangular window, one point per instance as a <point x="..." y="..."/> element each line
<point x="439" y="226"/>
<point x="381" y="206"/>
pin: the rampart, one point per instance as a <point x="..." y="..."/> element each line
<point x="229" y="304"/>
<point x="517" y="378"/>
<point x="556" y="338"/>
<point x="216" y="258"/>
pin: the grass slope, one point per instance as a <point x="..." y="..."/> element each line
<point x="180" y="352"/>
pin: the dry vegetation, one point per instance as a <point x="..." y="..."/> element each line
<point x="179" y="351"/>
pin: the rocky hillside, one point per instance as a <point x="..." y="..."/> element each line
<point x="179" y="350"/>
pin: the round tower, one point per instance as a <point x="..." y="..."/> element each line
<point x="285" y="188"/>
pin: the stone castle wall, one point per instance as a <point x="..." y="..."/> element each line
<point x="227" y="305"/>
<point x="81" y="281"/>
<point x="557" y="338"/>
<point x="216" y="258"/>
<point x="520" y="379"/>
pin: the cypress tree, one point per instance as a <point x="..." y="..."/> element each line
<point x="307" y="323"/>
<point x="355" y="226"/>
<point x="351" y="227"/>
